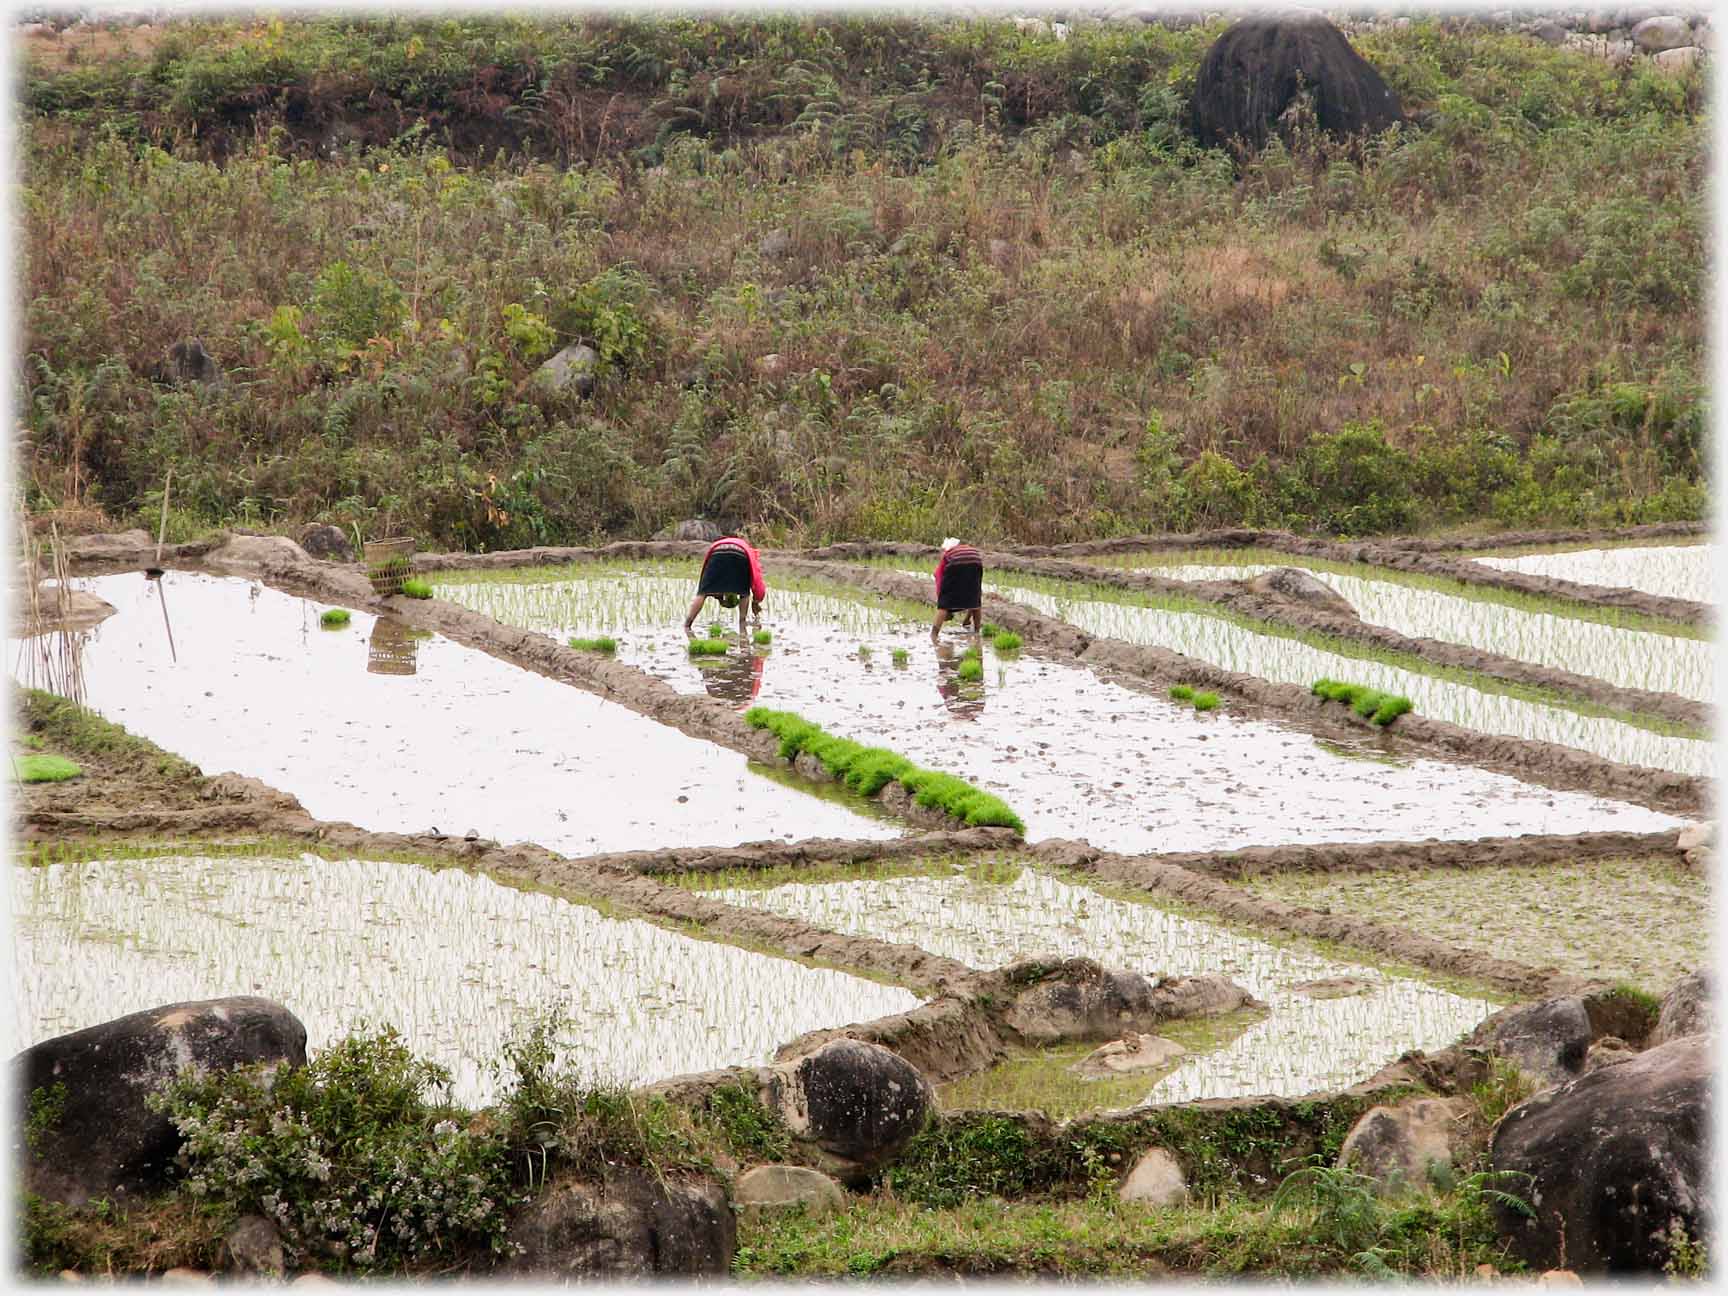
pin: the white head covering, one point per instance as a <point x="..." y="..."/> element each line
<point x="949" y="543"/>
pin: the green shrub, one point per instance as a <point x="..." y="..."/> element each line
<point x="334" y="618"/>
<point x="707" y="647"/>
<point x="600" y="644"/>
<point x="347" y="1156"/>
<point x="1351" y="482"/>
<point x="416" y="588"/>
<point x="39" y="768"/>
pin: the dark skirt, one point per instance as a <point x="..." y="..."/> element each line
<point x="727" y="571"/>
<point x="962" y="587"/>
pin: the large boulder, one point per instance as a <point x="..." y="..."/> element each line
<point x="633" y="1226"/>
<point x="87" y="1131"/>
<point x="856" y="1104"/>
<point x="1611" y="1164"/>
<point x="1156" y="1180"/>
<point x="1076" y="999"/>
<point x="1298" y="586"/>
<point x="774" y="1189"/>
<point x="1666" y="32"/>
<point x="1133" y="1052"/>
<point x="60" y="608"/>
<point x="570" y="372"/>
<point x="1399" y="1146"/>
<point x="1686" y="1009"/>
<point x="1547" y="1040"/>
<point x="321" y="540"/>
<point x="1257" y="70"/>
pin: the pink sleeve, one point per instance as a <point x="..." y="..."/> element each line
<point x="758" y="587"/>
<point x="940" y="564"/>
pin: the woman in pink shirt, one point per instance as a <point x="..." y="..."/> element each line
<point x="959" y="586"/>
<point x="730" y="570"/>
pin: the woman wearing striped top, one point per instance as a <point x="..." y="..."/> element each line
<point x="959" y="586"/>
<point x="730" y="570"/>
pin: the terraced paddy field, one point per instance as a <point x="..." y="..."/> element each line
<point x="456" y="962"/>
<point x="994" y="912"/>
<point x="1615" y="646"/>
<point x="401" y="732"/>
<point x="1685" y="571"/>
<point x="1641" y="922"/>
<point x="1075" y="754"/>
<point x="1296" y="657"/>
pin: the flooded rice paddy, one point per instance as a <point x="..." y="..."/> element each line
<point x="1643" y="922"/>
<point x="1303" y="1044"/>
<point x="1685" y="571"/>
<point x="1075" y="755"/>
<point x="1621" y="655"/>
<point x="397" y="733"/>
<point x="1292" y="660"/>
<point x="457" y="963"/>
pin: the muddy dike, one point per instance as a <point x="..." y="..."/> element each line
<point x="1155" y="876"/>
<point x="1387" y="857"/>
<point x="1545" y="764"/>
<point x="1583" y="537"/>
<point x="282" y="564"/>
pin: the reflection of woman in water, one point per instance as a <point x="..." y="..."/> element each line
<point x="734" y="677"/>
<point x="730" y="570"/>
<point x="965" y="698"/>
<point x="959" y="586"/>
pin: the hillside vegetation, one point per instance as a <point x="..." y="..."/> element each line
<point x="853" y="278"/>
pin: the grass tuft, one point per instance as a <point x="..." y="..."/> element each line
<point x="901" y="656"/>
<point x="708" y="647"/>
<point x="1181" y="692"/>
<point x="763" y="637"/>
<point x="44" y="769"/>
<point x="600" y="644"/>
<point x="334" y="618"/>
<point x="716" y="630"/>
<point x="1205" y="701"/>
<point x="414" y="587"/>
<point x="1008" y="641"/>
<point x="869" y="769"/>
<point x="990" y="630"/>
<point x="970" y="669"/>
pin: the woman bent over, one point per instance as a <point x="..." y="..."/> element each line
<point x="730" y="570"/>
<point x="959" y="586"/>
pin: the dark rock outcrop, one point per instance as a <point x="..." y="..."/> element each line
<point x="856" y="1102"/>
<point x="1257" y="70"/>
<point x="1611" y="1163"/>
<point x="322" y="540"/>
<point x="1398" y="1145"/>
<point x="188" y="361"/>
<point x="1548" y="1039"/>
<point x="630" y="1227"/>
<point x="91" y="1134"/>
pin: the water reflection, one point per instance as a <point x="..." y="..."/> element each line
<point x="735" y="678"/>
<point x="964" y="698"/>
<point x="392" y="649"/>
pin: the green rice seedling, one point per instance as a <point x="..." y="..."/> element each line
<point x="1205" y="701"/>
<point x="414" y="587"/>
<point x="972" y="650"/>
<point x="1181" y="692"/>
<point x="601" y="644"/>
<point x="707" y="647"/>
<point x="970" y="669"/>
<point x="333" y="618"/>
<point x="902" y="656"/>
<point x="716" y="630"/>
<point x="863" y="652"/>
<point x="990" y="630"/>
<point x="763" y="637"/>
<point x="40" y="768"/>
<point x="1371" y="704"/>
<point x="1008" y="641"/>
<point x="870" y="769"/>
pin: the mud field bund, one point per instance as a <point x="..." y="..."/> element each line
<point x="697" y="905"/>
